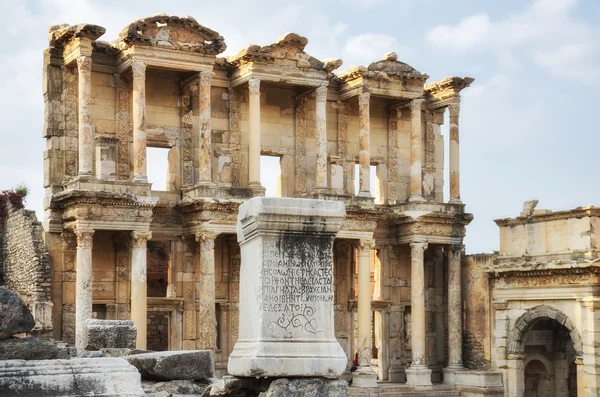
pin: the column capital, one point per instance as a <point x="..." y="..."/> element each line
<point x="456" y="248"/>
<point x="205" y="77"/>
<point x="366" y="244"/>
<point x="85" y="236"/>
<point x="254" y="86"/>
<point x="139" y="238"/>
<point x="138" y="68"/>
<point x="416" y="105"/>
<point x="204" y="235"/>
<point x="321" y="93"/>
<point x="454" y="109"/>
<point x="364" y="98"/>
<point x="419" y="245"/>
<point x="84" y="63"/>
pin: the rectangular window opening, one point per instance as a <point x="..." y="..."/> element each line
<point x="270" y="175"/>
<point x="158" y="167"/>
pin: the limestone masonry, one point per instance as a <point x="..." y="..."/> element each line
<point x="390" y="285"/>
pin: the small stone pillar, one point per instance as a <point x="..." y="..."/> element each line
<point x="205" y="133"/>
<point x="139" y="288"/>
<point x="106" y="157"/>
<point x="364" y="376"/>
<point x="364" y="141"/>
<point x="286" y="289"/>
<point x="254" y="136"/>
<point x="418" y="374"/>
<point x="321" y="133"/>
<point x="205" y="290"/>
<point x="416" y="139"/>
<point x="455" y="362"/>
<point x="83" y="285"/>
<point x="454" y="109"/>
<point x="84" y="70"/>
<point x="139" y="122"/>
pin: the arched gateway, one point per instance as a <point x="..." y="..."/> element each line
<point x="542" y="348"/>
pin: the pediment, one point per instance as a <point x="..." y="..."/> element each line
<point x="178" y="33"/>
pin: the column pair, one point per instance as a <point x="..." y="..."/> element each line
<point x="83" y="300"/>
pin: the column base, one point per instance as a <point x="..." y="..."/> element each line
<point x="364" y="377"/>
<point x="364" y="194"/>
<point x="397" y="373"/>
<point x="418" y="375"/>
<point x="140" y="178"/>
<point x="450" y="373"/>
<point x="455" y="201"/>
<point x="415" y="198"/>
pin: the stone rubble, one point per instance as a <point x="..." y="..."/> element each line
<point x="174" y="365"/>
<point x="15" y="317"/>
<point x="111" y="334"/>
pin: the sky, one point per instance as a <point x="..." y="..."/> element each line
<point x="527" y="124"/>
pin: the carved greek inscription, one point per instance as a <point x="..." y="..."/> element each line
<point x="297" y="283"/>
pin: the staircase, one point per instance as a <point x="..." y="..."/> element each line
<point x="400" y="390"/>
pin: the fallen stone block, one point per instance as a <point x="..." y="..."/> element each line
<point x="300" y="387"/>
<point x="33" y="349"/>
<point x="173" y="388"/>
<point x="111" y="333"/>
<point x="15" y="317"/>
<point x="120" y="352"/>
<point x="174" y="365"/>
<point x="106" y="377"/>
<point x="233" y="386"/>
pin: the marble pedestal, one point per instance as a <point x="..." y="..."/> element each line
<point x="418" y="375"/>
<point x="286" y="289"/>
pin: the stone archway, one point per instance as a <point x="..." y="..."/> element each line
<point x="516" y="352"/>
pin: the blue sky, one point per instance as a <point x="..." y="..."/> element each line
<point x="528" y="128"/>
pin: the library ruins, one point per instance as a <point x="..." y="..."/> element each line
<point x="418" y="313"/>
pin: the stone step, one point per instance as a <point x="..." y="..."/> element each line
<point x="428" y="393"/>
<point x="396" y="390"/>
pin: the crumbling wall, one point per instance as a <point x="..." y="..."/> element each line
<point x="25" y="262"/>
<point x="476" y="311"/>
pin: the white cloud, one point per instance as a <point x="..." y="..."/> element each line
<point x="366" y="48"/>
<point x="546" y="33"/>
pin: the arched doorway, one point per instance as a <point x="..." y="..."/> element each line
<point x="543" y="347"/>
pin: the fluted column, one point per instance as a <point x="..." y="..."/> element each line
<point x="364" y="376"/>
<point x="418" y="374"/>
<point x="254" y="145"/>
<point x="205" y="290"/>
<point x="139" y="122"/>
<point x="364" y="140"/>
<point x="454" y="308"/>
<point x="86" y="146"/>
<point x="321" y="133"/>
<point x="139" y="288"/>
<point x="205" y="133"/>
<point x="83" y="285"/>
<point x="454" y="109"/>
<point x="416" y="139"/>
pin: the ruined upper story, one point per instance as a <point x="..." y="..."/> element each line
<point x="539" y="240"/>
<point x="162" y="83"/>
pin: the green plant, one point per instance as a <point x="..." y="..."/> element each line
<point x="22" y="190"/>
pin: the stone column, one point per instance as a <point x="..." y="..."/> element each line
<point x="84" y="69"/>
<point x="418" y="374"/>
<point x="139" y="288"/>
<point x="83" y="285"/>
<point x="139" y="122"/>
<point x="254" y="145"/>
<point x="364" y="376"/>
<point x="364" y="138"/>
<point x="205" y="133"/>
<point x="455" y="362"/>
<point x="416" y="139"/>
<point x="321" y="133"/>
<point x="205" y="290"/>
<point x="454" y="109"/>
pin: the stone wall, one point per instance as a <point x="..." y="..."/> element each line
<point x="158" y="331"/>
<point x="476" y="311"/>
<point x="25" y="263"/>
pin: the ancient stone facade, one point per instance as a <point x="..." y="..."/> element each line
<point x="535" y="309"/>
<point x="162" y="83"/>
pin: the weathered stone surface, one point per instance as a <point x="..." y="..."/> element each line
<point x="286" y="291"/>
<point x="314" y="387"/>
<point x="174" y="388"/>
<point x="32" y="349"/>
<point x="120" y="352"/>
<point x="15" y="317"/>
<point x="107" y="377"/>
<point x="173" y="365"/>
<point x="233" y="386"/>
<point x="111" y="334"/>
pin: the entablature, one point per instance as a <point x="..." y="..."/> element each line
<point x="445" y="92"/>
